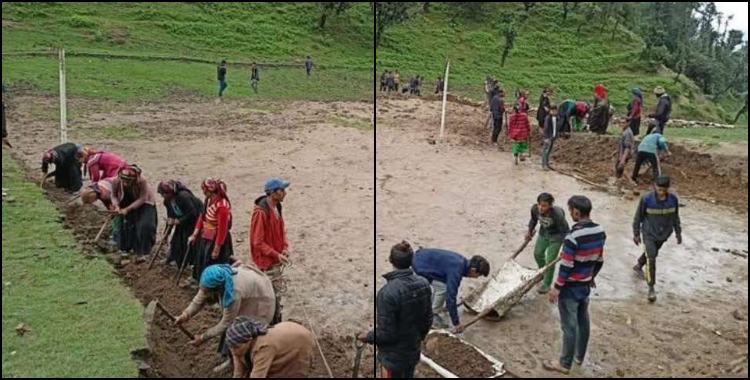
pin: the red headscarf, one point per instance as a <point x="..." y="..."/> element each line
<point x="215" y="186"/>
<point x="600" y="91"/>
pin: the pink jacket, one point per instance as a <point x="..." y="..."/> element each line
<point x="104" y="165"/>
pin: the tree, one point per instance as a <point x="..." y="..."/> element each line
<point x="467" y="9"/>
<point x="389" y="14"/>
<point x="508" y="31"/>
<point x="328" y="8"/>
<point x="566" y="8"/>
<point x="426" y="7"/>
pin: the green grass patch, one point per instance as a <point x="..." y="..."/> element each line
<point x="239" y="32"/>
<point x="711" y="135"/>
<point x="44" y="279"/>
<point x="350" y="123"/>
<point x="136" y="80"/>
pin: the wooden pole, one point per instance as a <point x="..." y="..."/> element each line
<point x="445" y="100"/>
<point x="63" y="101"/>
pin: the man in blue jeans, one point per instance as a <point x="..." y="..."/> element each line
<point x="580" y="261"/>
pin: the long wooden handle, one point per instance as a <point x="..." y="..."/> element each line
<point x="172" y="318"/>
<point x="101" y="230"/>
<point x="167" y="231"/>
<point x="520" y="249"/>
<point x="182" y="265"/>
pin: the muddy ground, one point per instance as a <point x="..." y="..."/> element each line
<point x="696" y="173"/>
<point x="324" y="149"/>
<point x="467" y="196"/>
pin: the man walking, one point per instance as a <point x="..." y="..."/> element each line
<point x="221" y="75"/>
<point x="254" y="77"/>
<point x="580" y="261"/>
<point x="308" y="65"/>
<point x="657" y="216"/>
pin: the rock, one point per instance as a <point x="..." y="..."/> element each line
<point x="22" y="329"/>
<point x="738" y="315"/>
<point x="717" y="332"/>
<point x="619" y="372"/>
<point x="715" y="249"/>
<point x="729" y="279"/>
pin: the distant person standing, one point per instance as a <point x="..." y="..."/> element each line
<point x="396" y="81"/>
<point x="662" y="112"/>
<point x="308" y="65"/>
<point x="254" y="77"/>
<point x="635" y="108"/>
<point x="221" y="76"/>
<point x="543" y="110"/>
<point x="497" y="107"/>
<point x="439" y="87"/>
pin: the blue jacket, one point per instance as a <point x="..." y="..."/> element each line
<point x="444" y="266"/>
<point x="653" y="143"/>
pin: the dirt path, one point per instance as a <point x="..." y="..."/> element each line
<point x="322" y="148"/>
<point x="470" y="198"/>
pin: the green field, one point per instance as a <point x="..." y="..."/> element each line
<point x="267" y="33"/>
<point x="84" y="322"/>
<point x="547" y="52"/>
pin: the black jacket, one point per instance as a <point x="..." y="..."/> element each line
<point x="404" y="317"/>
<point x="663" y="109"/>
<point x="189" y="205"/>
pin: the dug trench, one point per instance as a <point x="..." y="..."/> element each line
<point x="168" y="353"/>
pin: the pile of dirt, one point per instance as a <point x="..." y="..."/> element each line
<point x="169" y="354"/>
<point x="461" y="359"/>
<point x="715" y="178"/>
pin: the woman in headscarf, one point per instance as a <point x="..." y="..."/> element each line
<point x="100" y="164"/>
<point x="67" y="167"/>
<point x="600" y="113"/>
<point x="212" y="229"/>
<point x="282" y="351"/>
<point x="102" y="191"/>
<point x="635" y="107"/>
<point x="136" y="202"/>
<point x="183" y="209"/>
<point x="239" y="291"/>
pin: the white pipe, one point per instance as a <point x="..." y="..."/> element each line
<point x="445" y="99"/>
<point x="440" y="370"/>
<point x="63" y="108"/>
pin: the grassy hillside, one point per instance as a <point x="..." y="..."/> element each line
<point x="547" y="52"/>
<point x="272" y="33"/>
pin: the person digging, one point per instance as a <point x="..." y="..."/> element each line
<point x="240" y="291"/>
<point x="657" y="216"/>
<point x="444" y="270"/>
<point x="552" y="230"/>
<point x="284" y="350"/>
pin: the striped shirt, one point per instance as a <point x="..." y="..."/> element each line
<point x="582" y="255"/>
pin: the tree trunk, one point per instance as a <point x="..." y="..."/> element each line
<point x="565" y="10"/>
<point x="426" y="7"/>
<point x="506" y="51"/>
<point x="322" y="22"/>
<point x="617" y="24"/>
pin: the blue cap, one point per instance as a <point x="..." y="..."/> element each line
<point x="276" y="183"/>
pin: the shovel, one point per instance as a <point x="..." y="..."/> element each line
<point x="165" y="235"/>
<point x="360" y="346"/>
<point x="150" y="312"/>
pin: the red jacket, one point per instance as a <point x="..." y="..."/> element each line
<point x="518" y="126"/>
<point x="267" y="234"/>
<point x="214" y="223"/>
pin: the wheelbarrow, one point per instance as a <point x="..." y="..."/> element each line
<point x="504" y="289"/>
